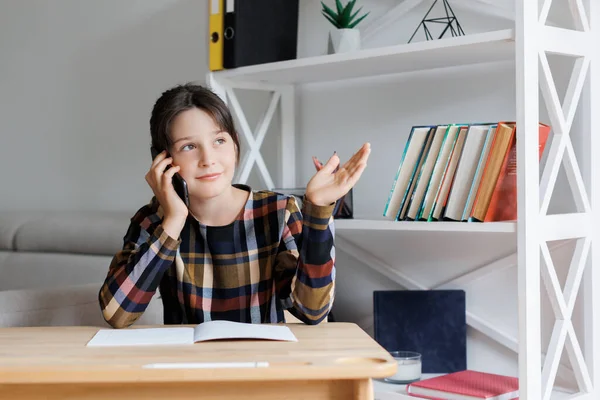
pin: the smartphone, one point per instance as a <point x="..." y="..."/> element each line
<point x="179" y="183"/>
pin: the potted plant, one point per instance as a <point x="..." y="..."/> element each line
<point x="345" y="37"/>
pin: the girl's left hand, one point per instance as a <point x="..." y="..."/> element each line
<point x="329" y="185"/>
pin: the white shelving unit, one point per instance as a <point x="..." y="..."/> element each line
<point x="526" y="45"/>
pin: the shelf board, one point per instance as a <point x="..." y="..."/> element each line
<point x="433" y="252"/>
<point x="342" y="225"/>
<point x="447" y="52"/>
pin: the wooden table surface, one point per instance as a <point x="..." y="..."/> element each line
<point x="329" y="351"/>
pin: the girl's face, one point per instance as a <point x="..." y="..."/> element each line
<point x="205" y="154"/>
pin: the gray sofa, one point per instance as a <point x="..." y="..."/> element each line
<point x="53" y="264"/>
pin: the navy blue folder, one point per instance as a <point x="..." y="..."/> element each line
<point x="430" y="322"/>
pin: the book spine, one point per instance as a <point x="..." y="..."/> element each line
<point x="489" y="142"/>
<point x="215" y="35"/>
<point x="412" y="182"/>
<point x="418" y="194"/>
<point x="441" y="200"/>
<point x="455" y="200"/>
<point x="496" y="158"/>
<point x="503" y="204"/>
<point x="443" y="189"/>
<point x="229" y="35"/>
<point x="387" y="212"/>
<point x="441" y="163"/>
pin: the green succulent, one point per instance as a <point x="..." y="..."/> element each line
<point x="343" y="18"/>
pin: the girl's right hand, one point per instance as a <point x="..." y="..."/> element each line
<point x="161" y="183"/>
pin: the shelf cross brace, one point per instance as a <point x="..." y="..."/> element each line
<point x="571" y="43"/>
<point x="254" y="143"/>
<point x="282" y="98"/>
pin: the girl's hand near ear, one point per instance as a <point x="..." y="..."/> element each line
<point x="328" y="184"/>
<point x="160" y="180"/>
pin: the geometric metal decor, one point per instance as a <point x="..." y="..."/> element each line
<point x="448" y="23"/>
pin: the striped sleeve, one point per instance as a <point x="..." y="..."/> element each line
<point x="305" y="265"/>
<point x="137" y="269"/>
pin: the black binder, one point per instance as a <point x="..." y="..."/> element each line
<point x="430" y="322"/>
<point x="259" y="31"/>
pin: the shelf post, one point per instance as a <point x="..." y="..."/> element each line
<point x="528" y="259"/>
<point x="287" y="152"/>
<point x="534" y="39"/>
<point x="591" y="121"/>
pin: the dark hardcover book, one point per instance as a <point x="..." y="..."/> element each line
<point x="430" y="322"/>
<point x="259" y="31"/>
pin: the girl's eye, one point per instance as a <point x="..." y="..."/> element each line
<point x="187" y="147"/>
<point x="220" y="141"/>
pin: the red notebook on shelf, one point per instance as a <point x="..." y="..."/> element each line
<point x="471" y="385"/>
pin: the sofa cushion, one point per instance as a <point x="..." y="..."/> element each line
<point x="99" y="233"/>
<point x="21" y="270"/>
<point x="10" y="222"/>
<point x="65" y="306"/>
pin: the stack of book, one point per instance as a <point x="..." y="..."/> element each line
<point x="468" y="385"/>
<point x="458" y="172"/>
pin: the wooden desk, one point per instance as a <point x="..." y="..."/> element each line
<point x="329" y="361"/>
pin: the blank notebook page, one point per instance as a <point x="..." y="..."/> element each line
<point x="142" y="337"/>
<point x="237" y="330"/>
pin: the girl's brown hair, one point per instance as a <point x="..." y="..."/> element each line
<point x="184" y="97"/>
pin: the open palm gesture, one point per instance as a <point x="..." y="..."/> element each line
<point x="331" y="183"/>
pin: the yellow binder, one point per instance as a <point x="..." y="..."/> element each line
<point x="215" y="34"/>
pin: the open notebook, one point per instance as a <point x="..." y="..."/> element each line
<point x="211" y="330"/>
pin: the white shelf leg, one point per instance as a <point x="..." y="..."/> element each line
<point x="533" y="40"/>
<point x="526" y="31"/>
<point x="287" y="152"/>
<point x="591" y="119"/>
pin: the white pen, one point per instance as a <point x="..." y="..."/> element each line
<point x="251" y="364"/>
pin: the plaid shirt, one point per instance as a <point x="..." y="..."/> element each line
<point x="272" y="257"/>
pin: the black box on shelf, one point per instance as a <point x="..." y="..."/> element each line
<point x="259" y="31"/>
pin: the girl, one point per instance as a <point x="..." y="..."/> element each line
<point x="233" y="254"/>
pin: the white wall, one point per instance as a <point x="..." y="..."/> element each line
<point x="78" y="80"/>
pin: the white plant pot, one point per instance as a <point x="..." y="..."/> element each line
<point x="343" y="40"/>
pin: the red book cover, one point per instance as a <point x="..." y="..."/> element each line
<point x="466" y="385"/>
<point x="503" y="204"/>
